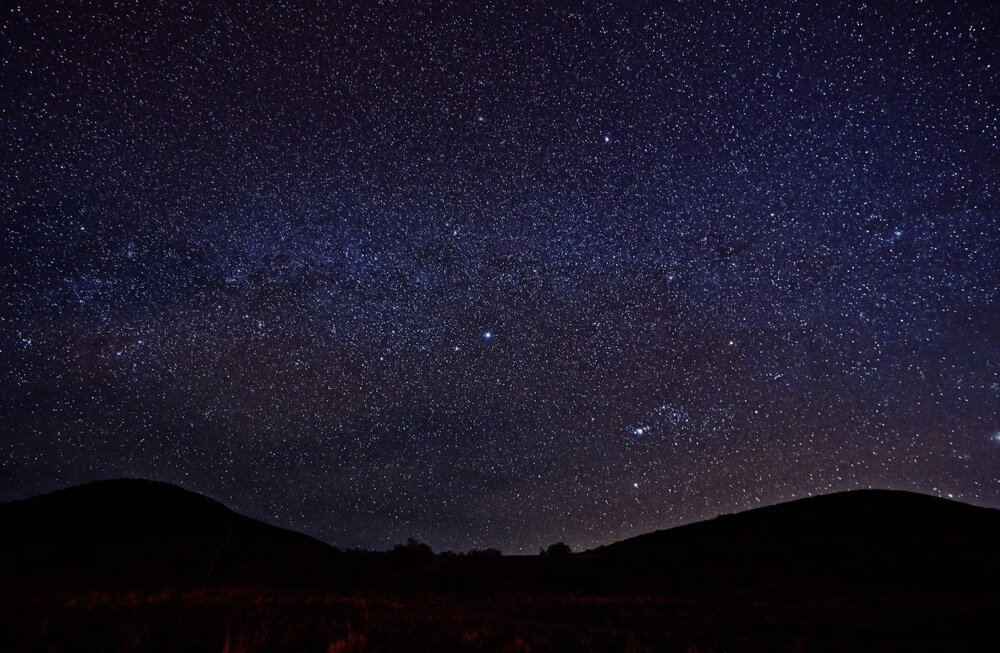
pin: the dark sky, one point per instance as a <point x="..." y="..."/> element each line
<point x="500" y="273"/>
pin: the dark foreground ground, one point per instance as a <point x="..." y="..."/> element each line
<point x="164" y="570"/>
<point x="269" y="619"/>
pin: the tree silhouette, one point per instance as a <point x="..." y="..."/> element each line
<point x="412" y="553"/>
<point x="557" y="550"/>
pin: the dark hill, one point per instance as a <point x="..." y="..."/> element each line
<point x="851" y="538"/>
<point x="143" y="533"/>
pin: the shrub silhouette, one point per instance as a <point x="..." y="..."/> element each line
<point x="557" y="550"/>
<point x="411" y="554"/>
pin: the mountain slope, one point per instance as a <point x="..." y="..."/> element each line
<point x="137" y="532"/>
<point x="859" y="537"/>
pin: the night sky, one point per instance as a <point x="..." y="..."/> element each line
<point x="500" y="273"/>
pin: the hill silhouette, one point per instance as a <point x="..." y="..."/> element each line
<point x="861" y="536"/>
<point x="138" y="533"/>
<point x="884" y="515"/>
<point x="139" y="565"/>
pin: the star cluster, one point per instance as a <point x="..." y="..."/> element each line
<point x="500" y="273"/>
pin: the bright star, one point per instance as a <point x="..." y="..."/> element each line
<point x="487" y="335"/>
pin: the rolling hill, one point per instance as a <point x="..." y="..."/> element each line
<point x="849" y="538"/>
<point x="132" y="532"/>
